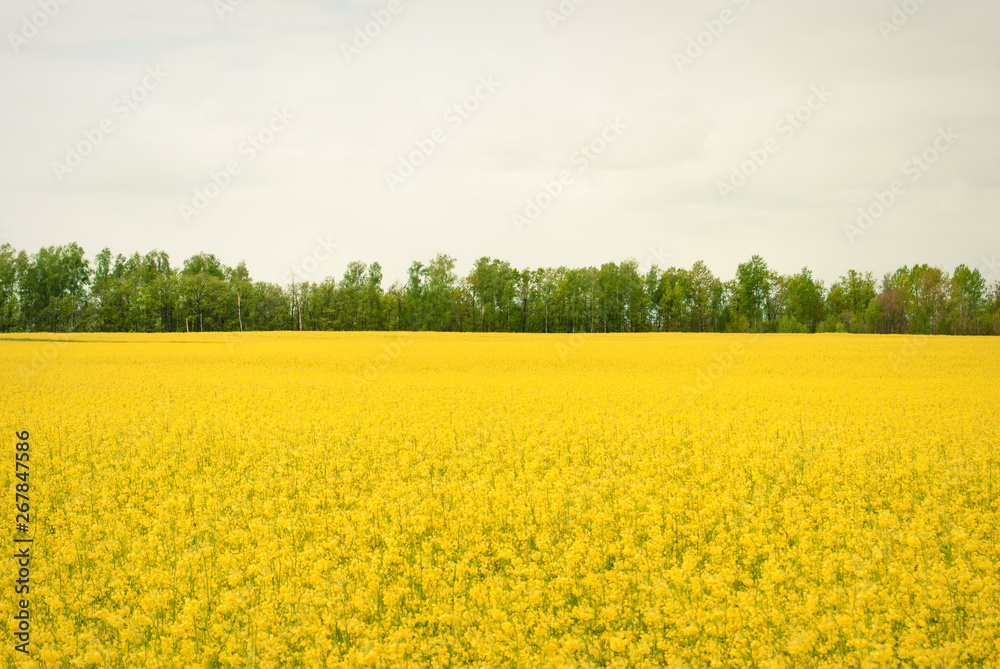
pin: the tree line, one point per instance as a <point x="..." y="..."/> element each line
<point x="58" y="289"/>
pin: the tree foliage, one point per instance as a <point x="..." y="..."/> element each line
<point x="58" y="290"/>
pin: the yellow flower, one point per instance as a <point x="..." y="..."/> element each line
<point x="483" y="502"/>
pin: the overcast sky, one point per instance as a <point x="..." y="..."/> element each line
<point x="713" y="131"/>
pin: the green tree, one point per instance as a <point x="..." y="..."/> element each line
<point x="203" y="291"/>
<point x="374" y="312"/>
<point x="52" y="288"/>
<point x="928" y="289"/>
<point x="805" y="302"/>
<point x="968" y="299"/>
<point x="239" y="282"/>
<point x="851" y="303"/>
<point x="636" y="315"/>
<point x="702" y="282"/>
<point x="753" y="285"/>
<point x="440" y="282"/>
<point x="675" y="294"/>
<point x="611" y="299"/>
<point x="9" y="309"/>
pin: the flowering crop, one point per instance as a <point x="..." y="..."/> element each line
<point x="436" y="500"/>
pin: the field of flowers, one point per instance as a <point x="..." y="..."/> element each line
<point x="435" y="500"/>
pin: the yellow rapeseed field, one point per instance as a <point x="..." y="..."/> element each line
<point x="435" y="500"/>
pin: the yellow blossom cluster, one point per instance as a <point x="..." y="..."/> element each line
<point x="447" y="500"/>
